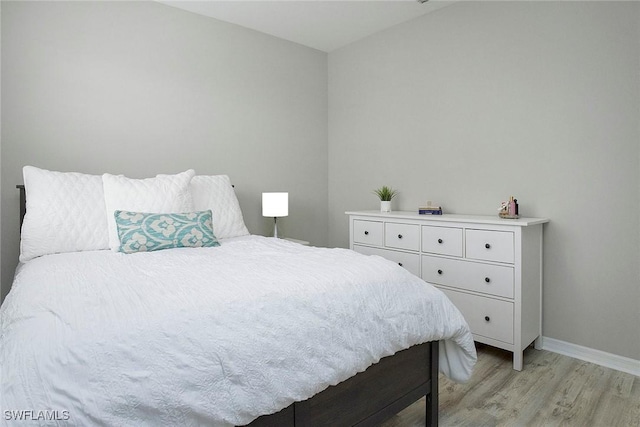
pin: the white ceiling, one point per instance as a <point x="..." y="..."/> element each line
<point x="323" y="25"/>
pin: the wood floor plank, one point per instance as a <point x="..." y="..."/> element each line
<point x="547" y="374"/>
<point x="580" y="399"/>
<point x="551" y="390"/>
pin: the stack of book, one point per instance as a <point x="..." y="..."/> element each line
<point x="430" y="209"/>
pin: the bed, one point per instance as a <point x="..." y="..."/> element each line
<point x="252" y="330"/>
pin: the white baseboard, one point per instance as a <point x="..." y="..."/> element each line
<point x="602" y="358"/>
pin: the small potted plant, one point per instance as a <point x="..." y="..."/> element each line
<point x="385" y="194"/>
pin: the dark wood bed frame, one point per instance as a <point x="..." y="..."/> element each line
<point x="366" y="399"/>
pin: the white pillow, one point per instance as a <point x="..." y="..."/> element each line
<point x="162" y="194"/>
<point x="65" y="213"/>
<point x="215" y="193"/>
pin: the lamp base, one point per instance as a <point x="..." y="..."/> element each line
<point x="275" y="227"/>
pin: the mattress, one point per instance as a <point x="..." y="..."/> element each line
<point x="208" y="336"/>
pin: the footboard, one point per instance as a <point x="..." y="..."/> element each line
<point x="372" y="396"/>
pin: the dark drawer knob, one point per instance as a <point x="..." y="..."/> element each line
<point x="399" y="236"/>
<point x="439" y="271"/>
<point x="400" y="264"/>
<point x="366" y="233"/>
<point x="440" y="241"/>
<point x="488" y="246"/>
<point x="486" y="279"/>
<point x="487" y="318"/>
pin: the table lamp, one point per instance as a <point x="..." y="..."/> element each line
<point x="275" y="205"/>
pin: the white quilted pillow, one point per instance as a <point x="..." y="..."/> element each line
<point x="162" y="194"/>
<point x="215" y="193"/>
<point x="65" y="213"/>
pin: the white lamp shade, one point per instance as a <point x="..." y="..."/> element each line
<point x="275" y="204"/>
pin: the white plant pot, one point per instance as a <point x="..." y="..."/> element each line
<point x="385" y="206"/>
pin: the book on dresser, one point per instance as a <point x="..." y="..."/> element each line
<point x="489" y="267"/>
<point x="430" y="211"/>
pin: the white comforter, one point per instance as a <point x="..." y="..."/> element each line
<point x="212" y="336"/>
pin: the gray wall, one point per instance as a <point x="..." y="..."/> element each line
<point x="2" y="292"/>
<point x="142" y="88"/>
<point x="482" y="100"/>
<point x="464" y="106"/>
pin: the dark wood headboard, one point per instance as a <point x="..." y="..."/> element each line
<point x="23" y="203"/>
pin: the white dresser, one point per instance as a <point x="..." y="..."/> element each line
<point x="490" y="268"/>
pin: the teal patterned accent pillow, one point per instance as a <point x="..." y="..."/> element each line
<point x="140" y="232"/>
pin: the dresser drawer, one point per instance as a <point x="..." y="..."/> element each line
<point x="488" y="245"/>
<point x="402" y="236"/>
<point x="409" y="261"/>
<point x="442" y="240"/>
<point x="489" y="279"/>
<point x="486" y="317"/>
<point x="368" y="232"/>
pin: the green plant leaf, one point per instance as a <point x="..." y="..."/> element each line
<point x="385" y="193"/>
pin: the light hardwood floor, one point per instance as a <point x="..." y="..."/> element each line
<point x="552" y="390"/>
